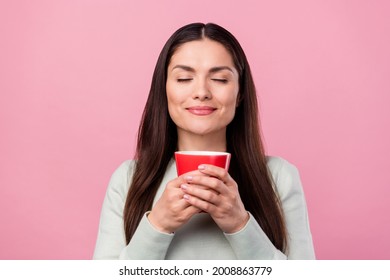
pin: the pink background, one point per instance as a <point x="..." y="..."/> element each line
<point x="74" y="77"/>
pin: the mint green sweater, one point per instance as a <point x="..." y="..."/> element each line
<point x="201" y="238"/>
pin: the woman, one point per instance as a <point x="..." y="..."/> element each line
<point x="203" y="97"/>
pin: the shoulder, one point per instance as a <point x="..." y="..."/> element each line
<point x="279" y="166"/>
<point x="124" y="170"/>
<point x="285" y="177"/>
<point x="121" y="177"/>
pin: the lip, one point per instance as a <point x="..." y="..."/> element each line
<point x="201" y="110"/>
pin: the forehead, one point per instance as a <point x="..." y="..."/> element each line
<point x="205" y="52"/>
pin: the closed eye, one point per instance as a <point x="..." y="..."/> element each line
<point x="223" y="81"/>
<point x="184" y="80"/>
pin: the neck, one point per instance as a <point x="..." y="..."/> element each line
<point x="194" y="142"/>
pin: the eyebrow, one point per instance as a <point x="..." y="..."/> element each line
<point x="212" y="70"/>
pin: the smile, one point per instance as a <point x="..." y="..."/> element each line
<point x="201" y="110"/>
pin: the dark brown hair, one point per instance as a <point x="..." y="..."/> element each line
<point x="248" y="163"/>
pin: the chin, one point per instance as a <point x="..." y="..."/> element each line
<point x="206" y="131"/>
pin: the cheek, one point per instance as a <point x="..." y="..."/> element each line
<point x="174" y="101"/>
<point x="231" y="105"/>
<point x="174" y="95"/>
<point x="231" y="99"/>
<point x="171" y="97"/>
<point x="171" y="106"/>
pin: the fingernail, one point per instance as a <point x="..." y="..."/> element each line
<point x="201" y="167"/>
<point x="189" y="178"/>
<point x="186" y="197"/>
<point x="184" y="187"/>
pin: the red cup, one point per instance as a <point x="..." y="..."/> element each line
<point x="187" y="161"/>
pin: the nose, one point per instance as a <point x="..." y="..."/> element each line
<point x="202" y="91"/>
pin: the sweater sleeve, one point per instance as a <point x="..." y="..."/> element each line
<point x="252" y="243"/>
<point x="146" y="243"/>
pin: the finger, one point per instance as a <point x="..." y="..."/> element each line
<point x="206" y="182"/>
<point x="182" y="208"/>
<point x="187" y="207"/>
<point x="199" y="203"/>
<point x="191" y="210"/>
<point x="199" y="186"/>
<point x="215" y="171"/>
<point x="174" y="184"/>
<point x="190" y="174"/>
<point x="208" y="195"/>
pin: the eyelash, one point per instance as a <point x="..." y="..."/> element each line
<point x="223" y="81"/>
<point x="183" y="80"/>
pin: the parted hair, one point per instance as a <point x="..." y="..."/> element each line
<point x="157" y="141"/>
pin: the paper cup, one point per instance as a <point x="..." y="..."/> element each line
<point x="187" y="161"/>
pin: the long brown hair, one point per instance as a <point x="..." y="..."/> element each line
<point x="248" y="163"/>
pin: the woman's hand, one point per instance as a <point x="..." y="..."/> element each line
<point x="171" y="210"/>
<point x="214" y="191"/>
